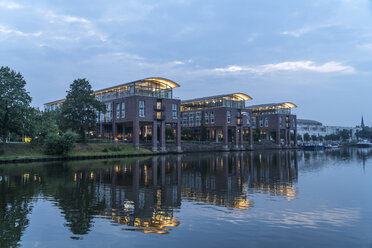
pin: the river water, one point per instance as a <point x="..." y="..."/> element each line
<point x="242" y="199"/>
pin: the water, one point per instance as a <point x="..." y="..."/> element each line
<point x="243" y="199"/>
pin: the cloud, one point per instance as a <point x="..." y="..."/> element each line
<point x="10" y="5"/>
<point x="329" y="67"/>
<point x="297" y="33"/>
<point x="6" y="30"/>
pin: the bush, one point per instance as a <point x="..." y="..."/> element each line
<point x="55" y="144"/>
<point x="105" y="149"/>
<point x="115" y="148"/>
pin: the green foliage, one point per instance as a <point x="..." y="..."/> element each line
<point x="78" y="111"/>
<point x="105" y="149"/>
<point x="299" y="137"/>
<point x="365" y="133"/>
<point x="187" y="133"/>
<point x="314" y="137"/>
<point x="256" y="134"/>
<point x="56" y="144"/>
<point x="306" y="137"/>
<point x="14" y="103"/>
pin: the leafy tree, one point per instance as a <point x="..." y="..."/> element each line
<point x="256" y="134"/>
<point x="314" y="137"/>
<point x="187" y="133"/>
<point x="14" y="103"/>
<point x="306" y="137"/>
<point x="78" y="111"/>
<point x="169" y="133"/>
<point x="344" y="134"/>
<point x="299" y="137"/>
<point x="56" y="144"/>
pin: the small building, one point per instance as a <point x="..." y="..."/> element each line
<point x="224" y="118"/>
<point x="138" y="110"/>
<point x="316" y="128"/>
<point x="275" y="122"/>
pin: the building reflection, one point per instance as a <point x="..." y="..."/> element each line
<point x="142" y="195"/>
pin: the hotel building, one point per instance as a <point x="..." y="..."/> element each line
<point x="224" y="116"/>
<point x="276" y="123"/>
<point x="138" y="110"/>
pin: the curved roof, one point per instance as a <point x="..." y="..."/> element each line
<point x="274" y="105"/>
<point x="164" y="81"/>
<point x="240" y="96"/>
<point x="308" y="122"/>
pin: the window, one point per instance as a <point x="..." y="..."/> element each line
<point x="281" y="121"/>
<point x="254" y="121"/>
<point x="228" y="116"/>
<point x="108" y="116"/>
<point x="261" y="123"/>
<point x="293" y="123"/>
<point x="266" y="122"/>
<point x="212" y="118"/>
<point x="174" y="111"/>
<point x="158" y="105"/>
<point x="185" y="120"/>
<point x="117" y="111"/>
<point x="198" y="119"/>
<point x="191" y="120"/>
<point x="158" y="115"/>
<point x="122" y="110"/>
<point x="206" y="117"/>
<point x="141" y="108"/>
<point x="248" y="118"/>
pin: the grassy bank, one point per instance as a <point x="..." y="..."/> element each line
<point x="27" y="150"/>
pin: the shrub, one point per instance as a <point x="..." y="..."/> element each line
<point x="115" y="148"/>
<point x="105" y="149"/>
<point x="55" y="144"/>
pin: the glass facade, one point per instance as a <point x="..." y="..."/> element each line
<point x="211" y="102"/>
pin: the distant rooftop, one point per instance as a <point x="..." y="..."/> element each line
<point x="234" y="96"/>
<point x="268" y="106"/>
<point x="308" y="122"/>
<point x="234" y="100"/>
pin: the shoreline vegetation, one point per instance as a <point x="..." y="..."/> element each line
<point x="27" y="152"/>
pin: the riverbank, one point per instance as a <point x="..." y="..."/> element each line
<point x="26" y="152"/>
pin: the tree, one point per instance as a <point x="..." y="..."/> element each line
<point x="314" y="137"/>
<point x="14" y="103"/>
<point x="306" y="137"/>
<point x="78" y="112"/>
<point x="256" y="134"/>
<point x="344" y="134"/>
<point x="299" y="137"/>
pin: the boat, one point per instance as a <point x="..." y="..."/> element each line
<point x="330" y="146"/>
<point x="364" y="144"/>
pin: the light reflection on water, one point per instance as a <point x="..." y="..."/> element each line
<point x="244" y="190"/>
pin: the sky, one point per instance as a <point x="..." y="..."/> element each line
<point x="314" y="53"/>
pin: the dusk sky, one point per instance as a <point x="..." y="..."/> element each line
<point x="314" y="53"/>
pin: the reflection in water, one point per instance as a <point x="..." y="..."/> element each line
<point x="141" y="194"/>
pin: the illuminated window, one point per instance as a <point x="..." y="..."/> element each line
<point x="158" y="115"/>
<point x="158" y="105"/>
<point x="141" y="108"/>
<point x="123" y="110"/>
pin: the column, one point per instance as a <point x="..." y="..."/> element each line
<point x="155" y="136"/>
<point x="162" y="161"/>
<point x="136" y="134"/>
<point x="162" y="137"/>
<point x="236" y="138"/>
<point x="178" y="137"/>
<point x="241" y="137"/>
<point x="225" y="134"/>
<point x="250" y="137"/>
<point x="295" y="137"/>
<point x="277" y="139"/>
<point x="285" y="137"/>
<point x="216" y="134"/>
<point x="101" y="129"/>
